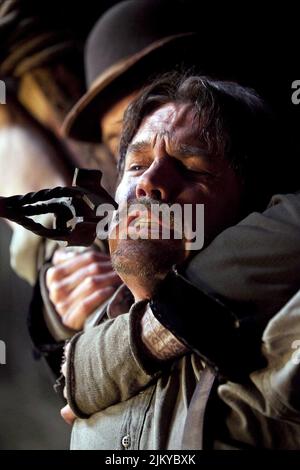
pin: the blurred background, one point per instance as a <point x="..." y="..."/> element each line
<point x="41" y="62"/>
<point x="29" y="407"/>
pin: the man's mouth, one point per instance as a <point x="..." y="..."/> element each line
<point x="148" y="226"/>
<point x="134" y="217"/>
<point x="143" y="220"/>
<point x="150" y="221"/>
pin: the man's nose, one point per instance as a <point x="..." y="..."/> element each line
<point x="161" y="181"/>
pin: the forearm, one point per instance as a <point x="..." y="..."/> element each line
<point x="108" y="364"/>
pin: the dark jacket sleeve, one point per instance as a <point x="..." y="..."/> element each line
<point x="47" y="332"/>
<point x="220" y="302"/>
<point x="43" y="342"/>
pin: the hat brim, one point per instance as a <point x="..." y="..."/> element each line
<point x="82" y="122"/>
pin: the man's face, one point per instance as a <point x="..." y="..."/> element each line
<point x="165" y="164"/>
<point x="111" y="124"/>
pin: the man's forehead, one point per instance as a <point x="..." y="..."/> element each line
<point x="169" y="120"/>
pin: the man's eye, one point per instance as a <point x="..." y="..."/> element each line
<point x="198" y="173"/>
<point x="135" y="168"/>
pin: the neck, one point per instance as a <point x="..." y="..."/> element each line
<point x="141" y="289"/>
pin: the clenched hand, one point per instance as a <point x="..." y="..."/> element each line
<point x="79" y="283"/>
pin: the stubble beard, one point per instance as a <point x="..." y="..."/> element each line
<point x="148" y="260"/>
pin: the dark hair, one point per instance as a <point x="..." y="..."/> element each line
<point x="234" y="123"/>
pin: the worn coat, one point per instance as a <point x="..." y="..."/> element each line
<point x="131" y="403"/>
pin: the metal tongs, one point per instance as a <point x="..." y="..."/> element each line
<point x="74" y="209"/>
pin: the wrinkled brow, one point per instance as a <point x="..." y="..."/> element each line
<point x="177" y="150"/>
<point x="139" y="147"/>
<point x="186" y="150"/>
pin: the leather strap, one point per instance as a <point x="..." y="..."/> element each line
<point x="193" y="429"/>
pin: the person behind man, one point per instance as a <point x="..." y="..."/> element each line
<point x="186" y="140"/>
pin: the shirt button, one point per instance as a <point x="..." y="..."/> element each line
<point x="126" y="441"/>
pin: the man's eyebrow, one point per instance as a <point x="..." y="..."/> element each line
<point x="180" y="151"/>
<point x="186" y="150"/>
<point x="138" y="147"/>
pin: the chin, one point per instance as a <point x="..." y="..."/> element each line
<point x="147" y="259"/>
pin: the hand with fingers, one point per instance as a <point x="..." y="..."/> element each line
<point x="78" y="283"/>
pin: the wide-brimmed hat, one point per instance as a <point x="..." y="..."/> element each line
<point x="131" y="42"/>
